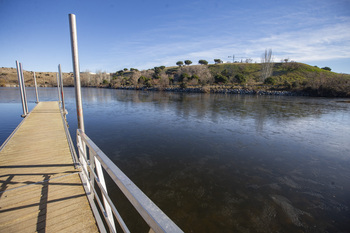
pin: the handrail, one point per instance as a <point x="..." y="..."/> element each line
<point x="69" y="139"/>
<point x="93" y="160"/>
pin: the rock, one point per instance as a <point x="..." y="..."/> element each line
<point x="292" y="212"/>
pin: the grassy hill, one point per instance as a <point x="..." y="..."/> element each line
<point x="290" y="76"/>
<point x="8" y="77"/>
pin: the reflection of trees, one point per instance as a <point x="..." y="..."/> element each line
<point x="216" y="107"/>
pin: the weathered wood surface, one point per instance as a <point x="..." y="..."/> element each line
<point x="40" y="188"/>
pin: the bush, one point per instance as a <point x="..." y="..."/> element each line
<point x="143" y="79"/>
<point x="221" y="78"/>
<point x="148" y="83"/>
<point x="183" y="85"/>
<point x="240" y="78"/>
<point x="326" y="68"/>
<point x="270" y="81"/>
<point x="194" y="76"/>
<point x="287" y="84"/>
<point x="157" y="70"/>
<point x="183" y="76"/>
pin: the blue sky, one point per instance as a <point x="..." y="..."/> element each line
<point x="113" y="35"/>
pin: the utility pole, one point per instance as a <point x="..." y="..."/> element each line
<point x="233" y="58"/>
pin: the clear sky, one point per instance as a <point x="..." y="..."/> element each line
<point x="141" y="34"/>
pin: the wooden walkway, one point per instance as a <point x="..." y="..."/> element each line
<point x="40" y="189"/>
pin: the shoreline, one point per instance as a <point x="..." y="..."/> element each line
<point x="234" y="91"/>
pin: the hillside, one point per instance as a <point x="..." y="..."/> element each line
<point x="290" y="76"/>
<point x="8" y="77"/>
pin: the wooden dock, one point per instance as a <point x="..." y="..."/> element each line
<point x="41" y="191"/>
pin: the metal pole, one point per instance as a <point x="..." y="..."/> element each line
<point x="76" y="70"/>
<point x="21" y="89"/>
<point x="36" y="89"/>
<point x="58" y="88"/>
<point x="24" y="88"/>
<point x="61" y="83"/>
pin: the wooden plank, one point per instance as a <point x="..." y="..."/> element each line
<point x="40" y="188"/>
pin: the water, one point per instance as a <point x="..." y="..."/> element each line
<point x="220" y="163"/>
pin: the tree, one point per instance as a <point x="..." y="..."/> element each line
<point x="266" y="64"/>
<point x="217" y="61"/>
<point x="326" y="68"/>
<point x="203" y="62"/>
<point x="188" y="62"/>
<point x="179" y="63"/>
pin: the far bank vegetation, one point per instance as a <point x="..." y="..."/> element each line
<point x="267" y="75"/>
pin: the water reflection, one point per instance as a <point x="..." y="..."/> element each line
<point x="216" y="106"/>
<point x="225" y="163"/>
<point x="228" y="163"/>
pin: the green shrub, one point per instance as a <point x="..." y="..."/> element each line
<point x="287" y="84"/>
<point x="195" y="77"/>
<point x="148" y="83"/>
<point x="295" y="84"/>
<point x="270" y="81"/>
<point x="240" y="78"/>
<point x="219" y="78"/>
<point x="157" y="70"/>
<point x="183" y="76"/>
<point x="326" y="68"/>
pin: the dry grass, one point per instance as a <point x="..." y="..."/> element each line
<point x="8" y="77"/>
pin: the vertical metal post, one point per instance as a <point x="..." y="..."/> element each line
<point x="21" y="89"/>
<point x="36" y="88"/>
<point x="58" y="88"/>
<point x="24" y="88"/>
<point x="76" y="71"/>
<point x="61" y="83"/>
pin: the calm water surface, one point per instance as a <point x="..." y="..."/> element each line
<point x="220" y="163"/>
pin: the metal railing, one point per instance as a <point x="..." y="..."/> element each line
<point x="93" y="161"/>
